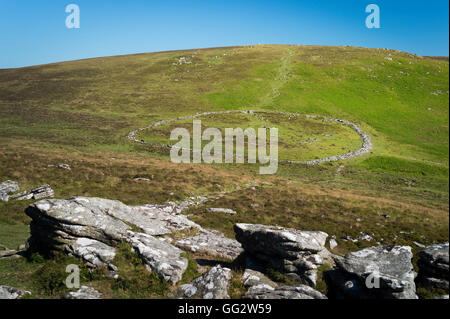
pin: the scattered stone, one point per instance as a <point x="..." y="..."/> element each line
<point x="212" y="243"/>
<point x="221" y="210"/>
<point x="442" y="297"/>
<point x="418" y="244"/>
<point x="159" y="255"/>
<point x="296" y="253"/>
<point x="333" y="243"/>
<point x="390" y="266"/>
<point x="212" y="285"/>
<point x="85" y="292"/>
<point x="65" y="166"/>
<point x="7" y="253"/>
<point x="35" y="193"/>
<point x="434" y="266"/>
<point x="6" y="188"/>
<point x="366" y="237"/>
<point x="7" y="292"/>
<point x="286" y="292"/>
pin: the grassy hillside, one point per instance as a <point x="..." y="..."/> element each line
<point x="80" y="113"/>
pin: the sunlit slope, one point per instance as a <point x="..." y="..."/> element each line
<point x="400" y="99"/>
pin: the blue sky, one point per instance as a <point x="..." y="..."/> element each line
<point x="34" y="32"/>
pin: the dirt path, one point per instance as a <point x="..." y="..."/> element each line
<point x="280" y="79"/>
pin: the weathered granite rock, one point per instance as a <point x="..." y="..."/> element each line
<point x="159" y="255"/>
<point x="64" y="166"/>
<point x="212" y="243"/>
<point x="153" y="219"/>
<point x="35" y="193"/>
<point x="255" y="278"/>
<point x="296" y="253"/>
<point x="221" y="210"/>
<point x="254" y="274"/>
<point x="85" y="292"/>
<point x="7" y="292"/>
<point x="93" y="252"/>
<point x="376" y="272"/>
<point x="57" y="222"/>
<point x="7" y="253"/>
<point x="433" y="266"/>
<point x="333" y="243"/>
<point x="6" y="188"/>
<point x="286" y="292"/>
<point x="90" y="227"/>
<point x="212" y="285"/>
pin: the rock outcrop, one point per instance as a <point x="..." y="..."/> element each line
<point x="6" y="188"/>
<point x="212" y="285"/>
<point x="376" y="272"/>
<point x="433" y="266"/>
<point x="85" y="292"/>
<point x="212" y="243"/>
<point x="7" y="292"/>
<point x="153" y="219"/>
<point x="286" y="292"/>
<point x="296" y="253"/>
<point x="159" y="255"/>
<point x="35" y="193"/>
<point x="90" y="228"/>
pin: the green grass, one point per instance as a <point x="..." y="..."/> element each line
<point x="392" y="164"/>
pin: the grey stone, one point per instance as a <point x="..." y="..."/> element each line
<point x="7" y="253"/>
<point x="254" y="278"/>
<point x="212" y="285"/>
<point x="212" y="243"/>
<point x="159" y="255"/>
<point x="7" y="292"/>
<point x="6" y="188"/>
<point x="85" y="292"/>
<point x="153" y="219"/>
<point x="333" y="243"/>
<point x="62" y="220"/>
<point x="284" y="242"/>
<point x="391" y="265"/>
<point x="296" y="253"/>
<point x="35" y="193"/>
<point x="221" y="210"/>
<point x="434" y="266"/>
<point x="286" y="292"/>
<point x="89" y="228"/>
<point x="93" y="252"/>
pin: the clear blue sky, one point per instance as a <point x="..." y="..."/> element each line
<point x="34" y="32"/>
